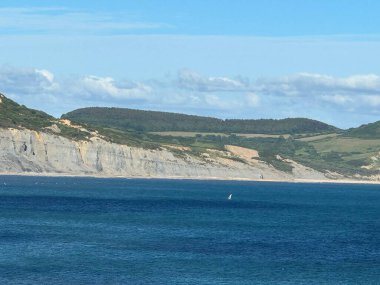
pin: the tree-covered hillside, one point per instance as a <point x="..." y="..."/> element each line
<point x="370" y="131"/>
<point x="152" y="121"/>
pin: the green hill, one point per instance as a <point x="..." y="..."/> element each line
<point x="368" y="131"/>
<point x="13" y="115"/>
<point x="152" y="121"/>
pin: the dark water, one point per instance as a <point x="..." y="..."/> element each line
<point x="115" y="231"/>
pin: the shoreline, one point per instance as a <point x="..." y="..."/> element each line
<point x="299" y="180"/>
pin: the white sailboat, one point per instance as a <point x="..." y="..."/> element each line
<point x="230" y="197"/>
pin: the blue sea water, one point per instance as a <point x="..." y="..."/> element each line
<point x="131" y="231"/>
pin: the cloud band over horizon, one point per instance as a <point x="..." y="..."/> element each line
<point x="317" y="96"/>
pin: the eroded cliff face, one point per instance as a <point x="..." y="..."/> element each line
<point x="37" y="152"/>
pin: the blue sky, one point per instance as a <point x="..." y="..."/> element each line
<point x="226" y="17"/>
<point x="230" y="59"/>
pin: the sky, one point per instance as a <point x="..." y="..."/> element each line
<point x="228" y="59"/>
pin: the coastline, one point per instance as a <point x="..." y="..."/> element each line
<point x="210" y="178"/>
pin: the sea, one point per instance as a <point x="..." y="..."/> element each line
<point x="153" y="231"/>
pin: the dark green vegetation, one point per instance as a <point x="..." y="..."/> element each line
<point x="311" y="143"/>
<point x="13" y="115"/>
<point x="370" y="131"/>
<point x="151" y="121"/>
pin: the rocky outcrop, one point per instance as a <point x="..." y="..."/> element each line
<point x="38" y="152"/>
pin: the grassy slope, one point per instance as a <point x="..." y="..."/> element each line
<point x="343" y="154"/>
<point x="13" y="115"/>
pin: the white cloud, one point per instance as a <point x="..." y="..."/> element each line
<point x="40" y="89"/>
<point x="347" y="92"/>
<point x="333" y="89"/>
<point x="108" y="88"/>
<point x="27" y="81"/>
<point x="46" y="73"/>
<point x="306" y="84"/>
<point x="191" y="80"/>
<point x="307" y="95"/>
<point x="30" y="82"/>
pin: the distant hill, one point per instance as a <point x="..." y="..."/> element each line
<point x="370" y="131"/>
<point x="152" y="121"/>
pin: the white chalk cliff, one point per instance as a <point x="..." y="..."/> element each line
<point x="26" y="151"/>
